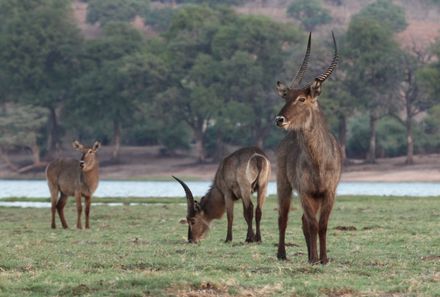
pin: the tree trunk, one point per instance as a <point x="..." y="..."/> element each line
<point x="53" y="135"/>
<point x="371" y="155"/>
<point x="342" y="135"/>
<point x="409" y="139"/>
<point x="200" y="150"/>
<point x="260" y="135"/>
<point x="35" y="154"/>
<point x="116" y="139"/>
<point x="219" y="146"/>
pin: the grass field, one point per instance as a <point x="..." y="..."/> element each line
<point x="378" y="246"/>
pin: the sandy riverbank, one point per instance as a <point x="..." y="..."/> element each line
<point x="147" y="163"/>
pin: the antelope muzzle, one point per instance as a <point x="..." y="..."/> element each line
<point x="280" y="121"/>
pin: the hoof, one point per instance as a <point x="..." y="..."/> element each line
<point x="314" y="262"/>
<point x="281" y="256"/>
<point x="324" y="261"/>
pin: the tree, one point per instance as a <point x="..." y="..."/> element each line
<point x="414" y="94"/>
<point x="386" y="13"/>
<point x="338" y="103"/>
<point x="223" y="61"/>
<point x="105" y="11"/>
<point x="373" y="71"/>
<point x="20" y="127"/>
<point x="253" y="51"/>
<point x="193" y="86"/>
<point x="119" y="73"/>
<point x="39" y="47"/>
<point x="310" y="13"/>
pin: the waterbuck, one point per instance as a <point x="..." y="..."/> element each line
<point x="239" y="175"/>
<point x="308" y="160"/>
<point x="70" y="177"/>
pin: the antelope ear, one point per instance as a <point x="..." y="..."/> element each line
<point x="315" y="88"/>
<point x="183" y="221"/>
<point x="78" y="146"/>
<point x="282" y="89"/>
<point x="96" y="146"/>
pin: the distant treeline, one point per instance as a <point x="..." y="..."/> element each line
<point x="198" y="75"/>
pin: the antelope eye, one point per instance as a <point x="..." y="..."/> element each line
<point x="302" y="99"/>
<point x="90" y="151"/>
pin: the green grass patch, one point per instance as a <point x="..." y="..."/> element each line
<point x="378" y="246"/>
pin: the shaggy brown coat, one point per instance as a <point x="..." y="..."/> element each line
<point x="239" y="175"/>
<point x="70" y="177"/>
<point x="309" y="162"/>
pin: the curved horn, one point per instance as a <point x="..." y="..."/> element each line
<point x="332" y="66"/>
<point x="299" y="75"/>
<point x="189" y="198"/>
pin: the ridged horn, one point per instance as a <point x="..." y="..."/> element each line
<point x="332" y="66"/>
<point x="189" y="199"/>
<point x="300" y="74"/>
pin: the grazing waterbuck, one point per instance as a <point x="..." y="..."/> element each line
<point x="308" y="160"/>
<point x="70" y="177"/>
<point x="239" y="175"/>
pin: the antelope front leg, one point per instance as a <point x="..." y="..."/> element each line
<point x="284" y="206"/>
<point x="79" y="210"/>
<point x="230" y="215"/>
<point x="323" y="221"/>
<point x="88" y="203"/>
<point x="284" y="198"/>
<point x="311" y="207"/>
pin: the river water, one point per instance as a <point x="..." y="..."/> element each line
<point x="107" y="188"/>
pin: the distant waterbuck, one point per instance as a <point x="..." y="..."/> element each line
<point x="70" y="177"/>
<point x="238" y="176"/>
<point x="308" y="160"/>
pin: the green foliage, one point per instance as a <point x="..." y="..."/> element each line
<point x="39" y="45"/>
<point x="159" y="19"/>
<point x="373" y="70"/>
<point x="310" y="13"/>
<point x="105" y="11"/>
<point x="386" y="13"/>
<point x="430" y="143"/>
<point x="391" y="137"/>
<point x="212" y="2"/>
<point x="358" y="130"/>
<point x="119" y="73"/>
<point x="225" y="65"/>
<point x="142" y="251"/>
<point x="174" y="136"/>
<point x="20" y="125"/>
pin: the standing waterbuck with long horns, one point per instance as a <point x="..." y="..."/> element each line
<point x="70" y="177"/>
<point x="308" y="159"/>
<point x="238" y="176"/>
